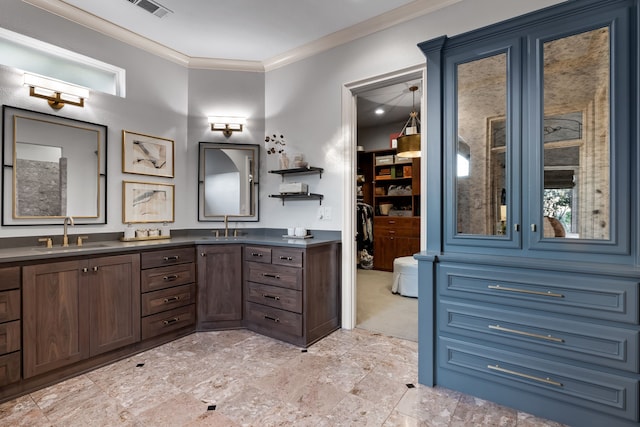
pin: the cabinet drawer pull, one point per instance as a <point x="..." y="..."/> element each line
<point x="85" y="270"/>
<point x="275" y="319"/>
<point x="526" y="334"/>
<point x="271" y="297"/>
<point x="256" y="254"/>
<point x="525" y="291"/>
<point x="170" y="321"/>
<point x="172" y="299"/>
<point x="522" y="375"/>
<point x="172" y="258"/>
<point x="273" y="276"/>
<point x="287" y="258"/>
<point x="170" y="278"/>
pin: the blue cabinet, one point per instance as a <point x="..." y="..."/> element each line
<point x="530" y="282"/>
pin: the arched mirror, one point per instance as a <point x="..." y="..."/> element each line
<point x="228" y="181"/>
<point x="53" y="167"/>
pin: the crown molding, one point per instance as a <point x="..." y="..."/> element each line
<point x="394" y="17"/>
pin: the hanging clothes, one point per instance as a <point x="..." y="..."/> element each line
<point x="364" y="236"/>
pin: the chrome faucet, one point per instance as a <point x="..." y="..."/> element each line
<point x="65" y="237"/>
<point x="226" y="226"/>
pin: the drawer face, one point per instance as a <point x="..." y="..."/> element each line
<point x="9" y="305"/>
<point x="286" y="256"/>
<point x="166" y="257"/>
<point x="599" y="297"/>
<point x="167" y="299"/>
<point x="287" y="277"/>
<point x="257" y="254"/>
<point x="164" y="277"/>
<point x="274" y="319"/>
<point x="9" y="278"/>
<point x="10" y="337"/>
<point x="599" y="391"/>
<point x="158" y="324"/>
<point x="274" y="296"/>
<point x="589" y="342"/>
<point x="9" y="368"/>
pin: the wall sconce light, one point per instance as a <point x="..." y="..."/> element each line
<point x="227" y="124"/>
<point x="56" y="92"/>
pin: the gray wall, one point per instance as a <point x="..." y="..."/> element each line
<point x="301" y="101"/>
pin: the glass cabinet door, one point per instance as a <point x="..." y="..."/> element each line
<point x="480" y="146"/>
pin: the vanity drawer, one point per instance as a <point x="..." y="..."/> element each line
<point x="588" y="342"/>
<point x="9" y="278"/>
<point x="274" y="296"/>
<point x="10" y="368"/>
<point x="10" y="337"/>
<point x="167" y="321"/>
<point x="290" y="257"/>
<point x="164" y="277"/>
<point x="257" y="254"/>
<point x="278" y="275"/>
<point x="511" y="371"/>
<point x="166" y="299"/>
<point x="166" y="257"/>
<point x="599" y="297"/>
<point x="273" y="319"/>
<point x="9" y="305"/>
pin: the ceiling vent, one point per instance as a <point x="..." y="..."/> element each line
<point x="152" y="7"/>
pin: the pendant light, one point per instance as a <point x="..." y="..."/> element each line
<point x="408" y="143"/>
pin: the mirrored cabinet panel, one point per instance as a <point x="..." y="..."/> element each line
<point x="575" y="137"/>
<point x="481" y="146"/>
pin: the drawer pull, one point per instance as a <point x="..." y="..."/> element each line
<point x="287" y="258"/>
<point x="271" y="297"/>
<point x="170" y="321"/>
<point x="525" y="291"/>
<point x="170" y="278"/>
<point x="526" y="334"/>
<point x="171" y="299"/>
<point x="273" y="276"/>
<point x="522" y="375"/>
<point x="275" y="319"/>
<point x="256" y="254"/>
<point x="172" y="258"/>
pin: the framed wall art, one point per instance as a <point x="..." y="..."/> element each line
<point x="147" y="155"/>
<point x="147" y="202"/>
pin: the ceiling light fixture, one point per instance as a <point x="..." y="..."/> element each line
<point x="56" y="92"/>
<point x="379" y="111"/>
<point x="409" y="140"/>
<point x="227" y="124"/>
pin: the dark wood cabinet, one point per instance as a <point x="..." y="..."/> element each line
<point x="394" y="237"/>
<point x="77" y="309"/>
<point x="219" y="287"/>
<point x="292" y="294"/>
<point x="10" y="328"/>
<point x="168" y="291"/>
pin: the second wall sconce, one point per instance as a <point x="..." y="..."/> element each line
<point x="227" y="124"/>
<point x="56" y="92"/>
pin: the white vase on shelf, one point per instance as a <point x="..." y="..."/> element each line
<point x="284" y="161"/>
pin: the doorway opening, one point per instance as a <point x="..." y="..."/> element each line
<point x="368" y="300"/>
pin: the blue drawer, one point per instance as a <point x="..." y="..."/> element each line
<point x="611" y="394"/>
<point x="588" y="342"/>
<point x="599" y="297"/>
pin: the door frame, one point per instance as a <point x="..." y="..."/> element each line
<point x="350" y="93"/>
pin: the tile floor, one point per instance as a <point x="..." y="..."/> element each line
<point x="238" y="378"/>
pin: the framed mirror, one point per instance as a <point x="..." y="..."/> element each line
<point x="53" y="167"/>
<point x="228" y="181"/>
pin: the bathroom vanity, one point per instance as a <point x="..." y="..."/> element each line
<point x="79" y="308"/>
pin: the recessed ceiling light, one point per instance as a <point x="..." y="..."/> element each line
<point x="379" y="111"/>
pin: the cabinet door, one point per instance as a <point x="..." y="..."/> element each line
<point x="482" y="121"/>
<point x="114" y="302"/>
<point x="219" y="285"/>
<point x="55" y="316"/>
<point x="384" y="252"/>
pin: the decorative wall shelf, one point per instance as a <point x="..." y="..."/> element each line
<point x="295" y="196"/>
<point x="298" y="171"/>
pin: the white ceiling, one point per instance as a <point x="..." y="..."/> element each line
<point x="242" y="34"/>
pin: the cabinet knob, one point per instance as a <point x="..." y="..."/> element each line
<point x="534" y="228"/>
<point x="203" y="254"/>
<point x="95" y="268"/>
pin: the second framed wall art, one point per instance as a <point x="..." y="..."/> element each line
<point x="147" y="155"/>
<point x="147" y="202"/>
